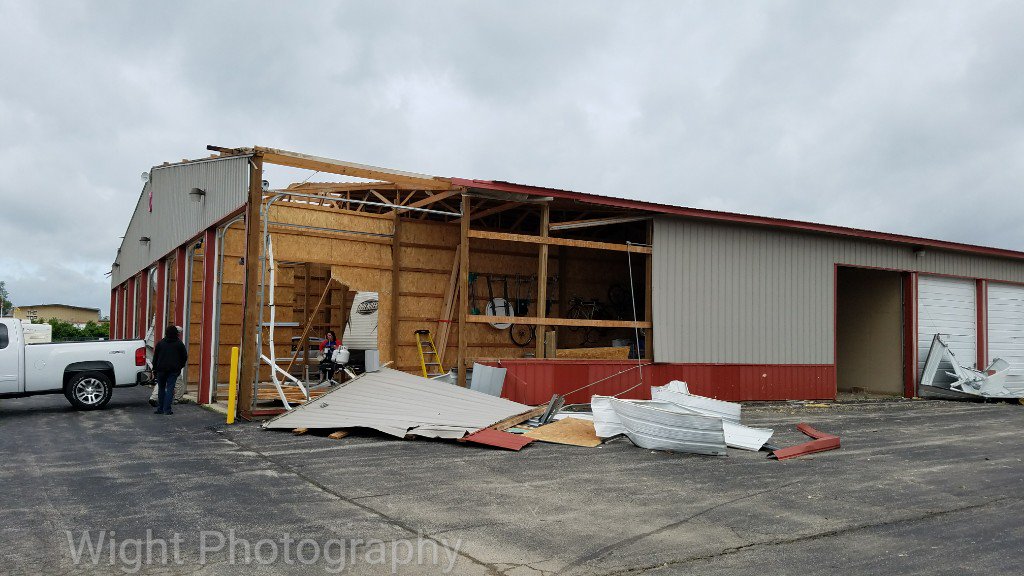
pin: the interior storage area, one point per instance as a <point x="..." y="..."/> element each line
<point x="869" y="331"/>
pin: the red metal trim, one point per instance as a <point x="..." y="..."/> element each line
<point x="112" y="315"/>
<point x="119" y="329"/>
<point x="161" y="299"/>
<point x="981" y="301"/>
<point x="129" y="309"/>
<point x="498" y="439"/>
<point x="143" y="304"/>
<point x="909" y="334"/>
<point x="821" y="443"/>
<point x="835" y="325"/>
<point x="181" y="268"/>
<point x="204" y="396"/>
<point x="736" y="218"/>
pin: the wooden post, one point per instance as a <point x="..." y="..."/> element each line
<point x="304" y="340"/>
<point x="542" y="278"/>
<point x="463" y="290"/>
<point x="396" y="268"/>
<point x="563" y="282"/>
<point x="251" y="314"/>
<point x="204" y="394"/>
<point x="648" y="296"/>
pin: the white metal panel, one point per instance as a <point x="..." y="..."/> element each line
<point x="1006" y="326"/>
<point x="947" y="306"/>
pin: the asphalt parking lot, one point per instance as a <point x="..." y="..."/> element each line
<point x="918" y="487"/>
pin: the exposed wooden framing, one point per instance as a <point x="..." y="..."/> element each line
<point x="648" y="295"/>
<point x="402" y="179"/>
<point x="310" y="320"/>
<point x="519" y="221"/>
<point x="463" y="289"/>
<point x="596" y="222"/>
<point x="337" y="187"/>
<point x="536" y="321"/>
<point x="548" y="241"/>
<point x="434" y="198"/>
<point x="250" y="355"/>
<point x="381" y="197"/>
<point x="444" y="323"/>
<point x="542" y="279"/>
<point x="304" y="340"/>
<point x="492" y="210"/>
<point x="396" y="268"/>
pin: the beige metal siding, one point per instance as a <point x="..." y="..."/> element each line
<point x="176" y="218"/>
<point x="728" y="293"/>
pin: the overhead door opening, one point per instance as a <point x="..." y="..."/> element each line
<point x="869" y="324"/>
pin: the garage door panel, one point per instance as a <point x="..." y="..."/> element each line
<point x="1006" y="326"/>
<point x="947" y="306"/>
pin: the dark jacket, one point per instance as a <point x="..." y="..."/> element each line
<point x="170" y="355"/>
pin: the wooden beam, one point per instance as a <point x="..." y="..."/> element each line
<point x="542" y="278"/>
<point x="549" y="241"/>
<point x="492" y="210"/>
<point x="596" y="222"/>
<point x="381" y="197"/>
<point x="401" y="178"/>
<point x="648" y="296"/>
<point x="310" y="320"/>
<point x="535" y="321"/>
<point x="435" y="198"/>
<point x="463" y="290"/>
<point x="250" y="355"/>
<point x="340" y="186"/>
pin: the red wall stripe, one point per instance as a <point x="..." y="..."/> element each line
<point x="535" y="381"/>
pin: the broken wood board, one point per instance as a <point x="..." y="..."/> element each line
<point x="519" y="418"/>
<point x="338" y="434"/>
<point x="607" y="353"/>
<point x="572" y="431"/>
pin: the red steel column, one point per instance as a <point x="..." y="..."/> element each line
<point x="209" y="299"/>
<point x="981" y="298"/>
<point x="142" y="305"/>
<point x="119" y="329"/>
<point x="161" y="298"/>
<point x="112" y="315"/>
<point x="910" y="334"/>
<point x="129" y="309"/>
<point x="180" y="262"/>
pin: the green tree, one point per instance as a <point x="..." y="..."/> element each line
<point x="6" y="306"/>
<point x="68" y="332"/>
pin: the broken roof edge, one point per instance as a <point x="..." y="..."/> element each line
<point x="737" y="218"/>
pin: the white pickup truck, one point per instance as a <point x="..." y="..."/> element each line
<point x="85" y="372"/>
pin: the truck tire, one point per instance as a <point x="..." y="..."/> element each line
<point x="89" y="390"/>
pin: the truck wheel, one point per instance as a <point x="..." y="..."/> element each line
<point x="89" y="390"/>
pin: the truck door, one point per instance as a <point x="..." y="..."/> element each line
<point x="10" y="359"/>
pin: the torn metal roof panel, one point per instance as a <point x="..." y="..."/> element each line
<point x="398" y="404"/>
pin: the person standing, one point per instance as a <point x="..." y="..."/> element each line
<point x="169" y="357"/>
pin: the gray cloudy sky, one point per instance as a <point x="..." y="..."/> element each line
<point x="897" y="116"/>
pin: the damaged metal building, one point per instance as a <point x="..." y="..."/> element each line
<point x="588" y="287"/>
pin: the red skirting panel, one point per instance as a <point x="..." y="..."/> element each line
<point x="535" y="381"/>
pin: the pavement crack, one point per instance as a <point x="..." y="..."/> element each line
<point x="352" y="501"/>
<point x="806" y="538"/>
<point x="602" y="552"/>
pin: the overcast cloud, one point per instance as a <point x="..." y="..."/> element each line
<point x="897" y="116"/>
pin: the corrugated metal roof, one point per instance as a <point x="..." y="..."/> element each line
<point x="397" y="403"/>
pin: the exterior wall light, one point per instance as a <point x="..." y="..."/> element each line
<point x="196" y="194"/>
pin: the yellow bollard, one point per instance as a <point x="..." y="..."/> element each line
<point x="233" y="385"/>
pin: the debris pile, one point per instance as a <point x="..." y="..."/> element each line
<point x="945" y="377"/>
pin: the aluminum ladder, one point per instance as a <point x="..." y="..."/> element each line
<point x="425" y="345"/>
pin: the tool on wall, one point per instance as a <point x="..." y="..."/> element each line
<point x="430" y="363"/>
<point x="497" y="307"/>
<point x="472" y="293"/>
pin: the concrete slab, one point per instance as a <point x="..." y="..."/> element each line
<point x="919" y="486"/>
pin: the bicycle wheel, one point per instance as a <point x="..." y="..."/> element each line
<point x="522" y="335"/>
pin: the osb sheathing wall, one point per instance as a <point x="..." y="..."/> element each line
<point x="427" y="254"/>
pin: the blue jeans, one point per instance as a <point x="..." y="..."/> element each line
<point x="165" y="390"/>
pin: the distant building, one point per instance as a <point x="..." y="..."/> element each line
<point x="78" y="315"/>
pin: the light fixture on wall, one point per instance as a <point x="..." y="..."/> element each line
<point x="145" y="239"/>
<point x="196" y="194"/>
<point x="918" y="251"/>
<point x="265" y="185"/>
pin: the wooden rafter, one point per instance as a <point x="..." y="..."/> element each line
<point x="403" y="179"/>
<point x="529" y="239"/>
<point x="492" y="210"/>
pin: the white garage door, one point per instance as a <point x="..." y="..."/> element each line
<point x="947" y="306"/>
<point x="1006" y="326"/>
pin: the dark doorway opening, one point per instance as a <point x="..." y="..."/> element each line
<point x="869" y="331"/>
